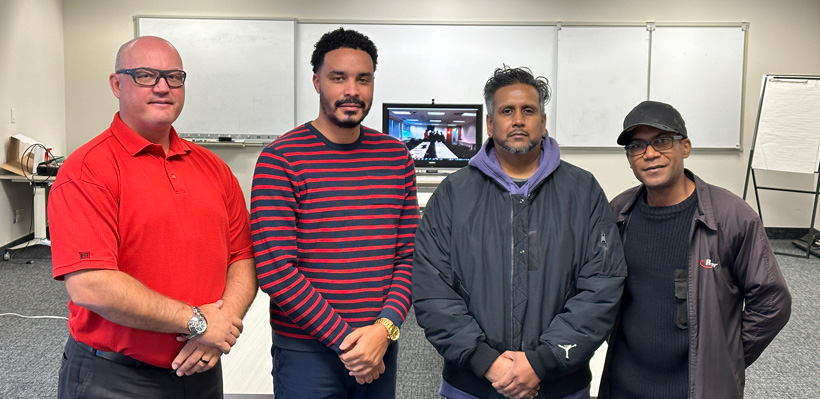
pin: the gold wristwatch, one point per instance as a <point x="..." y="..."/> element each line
<point x="393" y="332"/>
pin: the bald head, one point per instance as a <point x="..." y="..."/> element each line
<point x="138" y="44"/>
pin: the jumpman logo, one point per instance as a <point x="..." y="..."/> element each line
<point x="566" y="348"/>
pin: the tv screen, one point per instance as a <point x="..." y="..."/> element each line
<point x="437" y="135"/>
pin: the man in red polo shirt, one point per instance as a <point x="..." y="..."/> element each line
<point x="151" y="234"/>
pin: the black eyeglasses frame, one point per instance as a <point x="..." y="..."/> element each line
<point x="160" y="75"/>
<point x="646" y="144"/>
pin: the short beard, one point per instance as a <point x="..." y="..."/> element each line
<point x="346" y="124"/>
<point x="330" y="111"/>
<point x="518" y="151"/>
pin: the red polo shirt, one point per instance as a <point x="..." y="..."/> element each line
<point x="173" y="221"/>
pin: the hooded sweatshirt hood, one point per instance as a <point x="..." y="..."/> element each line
<point x="487" y="163"/>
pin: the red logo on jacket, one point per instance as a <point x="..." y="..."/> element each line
<point x="708" y="264"/>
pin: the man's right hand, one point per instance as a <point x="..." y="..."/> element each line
<point x="223" y="327"/>
<point x="498" y="369"/>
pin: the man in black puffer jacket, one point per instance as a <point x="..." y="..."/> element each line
<point x="518" y="267"/>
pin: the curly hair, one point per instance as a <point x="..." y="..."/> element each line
<point x="341" y="38"/>
<point x="506" y="76"/>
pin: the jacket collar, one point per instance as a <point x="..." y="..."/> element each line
<point x="705" y="213"/>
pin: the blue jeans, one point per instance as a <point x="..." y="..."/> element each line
<point x="321" y="375"/>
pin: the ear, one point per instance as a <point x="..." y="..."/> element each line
<point x="687" y="147"/>
<point x="114" y="82"/>
<point x="316" y="82"/>
<point x="489" y="126"/>
<point x="544" y="125"/>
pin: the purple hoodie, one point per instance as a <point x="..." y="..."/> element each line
<point x="487" y="163"/>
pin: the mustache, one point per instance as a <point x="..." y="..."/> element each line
<point x="349" y="100"/>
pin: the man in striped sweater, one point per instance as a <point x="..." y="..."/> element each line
<point x="334" y="212"/>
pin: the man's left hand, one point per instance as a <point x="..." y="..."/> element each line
<point x="195" y="357"/>
<point x="520" y="382"/>
<point x="363" y="351"/>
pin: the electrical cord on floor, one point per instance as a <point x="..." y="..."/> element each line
<point x="33" y="317"/>
<point x="11" y="253"/>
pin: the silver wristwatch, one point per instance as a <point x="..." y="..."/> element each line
<point x="197" y="324"/>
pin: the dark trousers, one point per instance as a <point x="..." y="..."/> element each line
<point x="86" y="375"/>
<point x="322" y="375"/>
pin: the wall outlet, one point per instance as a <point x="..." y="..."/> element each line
<point x="17" y="213"/>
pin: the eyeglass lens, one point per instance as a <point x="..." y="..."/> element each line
<point x="659" y="144"/>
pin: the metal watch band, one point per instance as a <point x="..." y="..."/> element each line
<point x="197" y="324"/>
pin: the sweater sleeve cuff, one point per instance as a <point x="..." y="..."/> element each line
<point x="336" y="346"/>
<point x="482" y="358"/>
<point x="542" y="360"/>
<point x="392" y="315"/>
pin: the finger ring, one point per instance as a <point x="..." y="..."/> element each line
<point x="203" y="360"/>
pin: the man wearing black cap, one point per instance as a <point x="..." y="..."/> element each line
<point x="704" y="295"/>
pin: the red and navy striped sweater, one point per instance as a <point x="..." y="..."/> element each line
<point x="333" y="227"/>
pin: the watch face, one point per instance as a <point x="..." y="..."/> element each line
<point x="198" y="326"/>
<point x="392" y="330"/>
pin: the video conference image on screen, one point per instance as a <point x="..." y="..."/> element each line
<point x="445" y="135"/>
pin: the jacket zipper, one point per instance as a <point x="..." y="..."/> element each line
<point x="606" y="249"/>
<point x="512" y="266"/>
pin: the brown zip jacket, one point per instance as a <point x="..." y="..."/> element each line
<point x="730" y="264"/>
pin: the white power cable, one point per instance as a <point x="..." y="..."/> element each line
<point x="34" y="317"/>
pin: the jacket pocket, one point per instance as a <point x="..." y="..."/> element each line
<point x="681" y="290"/>
<point x="458" y="286"/>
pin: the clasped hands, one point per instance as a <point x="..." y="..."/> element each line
<point x="203" y="352"/>
<point x="363" y="352"/>
<point x="513" y="377"/>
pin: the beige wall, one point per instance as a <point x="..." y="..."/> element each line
<point x="32" y="82"/>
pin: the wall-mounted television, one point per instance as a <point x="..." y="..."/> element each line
<point x="437" y="135"/>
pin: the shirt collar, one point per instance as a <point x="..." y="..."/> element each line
<point x="135" y="144"/>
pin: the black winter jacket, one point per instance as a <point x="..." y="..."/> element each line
<point x="541" y="273"/>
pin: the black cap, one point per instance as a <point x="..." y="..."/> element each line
<point x="652" y="113"/>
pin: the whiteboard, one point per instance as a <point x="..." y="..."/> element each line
<point x="699" y="70"/>
<point x="787" y="137"/>
<point x="602" y="75"/>
<point x="418" y="63"/>
<point x="253" y="76"/>
<point x="605" y="71"/>
<point x="240" y="74"/>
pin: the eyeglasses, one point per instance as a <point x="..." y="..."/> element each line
<point x="664" y="143"/>
<point x="150" y="76"/>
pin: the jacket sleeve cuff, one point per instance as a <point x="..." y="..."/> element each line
<point x="542" y="360"/>
<point x="482" y="358"/>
